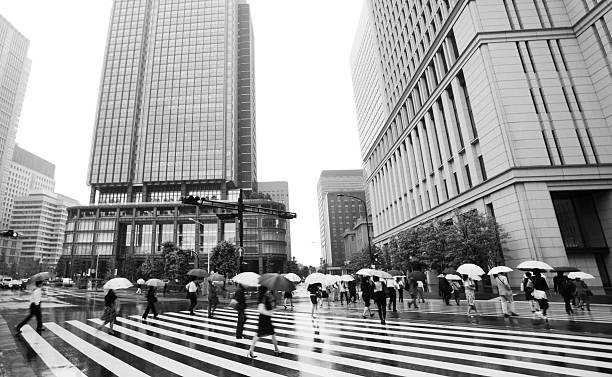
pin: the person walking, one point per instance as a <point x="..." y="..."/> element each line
<point x="505" y="294"/>
<point x="192" y="290"/>
<point x="35" y="309"/>
<point x="314" y="293"/>
<point x="151" y="300"/>
<point x="528" y="290"/>
<point x="264" y="326"/>
<point x="583" y="293"/>
<point x="241" y="306"/>
<point x="470" y="288"/>
<point x="352" y="288"/>
<point x="445" y="290"/>
<point x="380" y="299"/>
<point x="288" y="298"/>
<point x="420" y="291"/>
<point x="413" y="292"/>
<point x="566" y="288"/>
<point x="400" y="289"/>
<point x="343" y="292"/>
<point x="540" y="287"/>
<point x="111" y="308"/>
<point x="456" y="289"/>
<point x="392" y="289"/>
<point x="213" y="299"/>
<point x="367" y="291"/>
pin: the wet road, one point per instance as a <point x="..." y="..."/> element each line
<point x="436" y="340"/>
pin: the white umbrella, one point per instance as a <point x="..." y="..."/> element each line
<point x="317" y="277"/>
<point x="249" y="279"/>
<point x="331" y="279"/>
<point x="498" y="269"/>
<point x="382" y="274"/>
<point x="140" y="281"/>
<point x="470" y="269"/>
<point x="118" y="283"/>
<point x="155" y="283"/>
<point x="580" y="275"/>
<point x="534" y="265"/>
<point x="452" y="277"/>
<point x="365" y="272"/>
<point x="293" y="277"/>
<point x="346" y="278"/>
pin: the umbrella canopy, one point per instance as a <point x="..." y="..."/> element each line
<point x="395" y="273"/>
<point x="417" y="275"/>
<point x="155" y="283"/>
<point x="382" y="274"/>
<point x="580" y="275"/>
<point x="198" y="272"/>
<point x="534" y="265"/>
<point x="118" y="283"/>
<point x="470" y="269"/>
<point x="276" y="282"/>
<point x="249" y="279"/>
<point x="566" y="269"/>
<point x="317" y="277"/>
<point x="449" y="270"/>
<point x="365" y="272"/>
<point x="41" y="276"/>
<point x="498" y="269"/>
<point x="331" y="279"/>
<point x="216" y="277"/>
<point x="346" y="278"/>
<point x="140" y="281"/>
<point x="441" y="275"/>
<point x="293" y="277"/>
<point x="453" y="277"/>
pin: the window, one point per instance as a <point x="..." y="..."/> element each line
<point x="483" y="170"/>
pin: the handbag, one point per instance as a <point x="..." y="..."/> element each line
<point x="233" y="304"/>
<point x="539" y="295"/>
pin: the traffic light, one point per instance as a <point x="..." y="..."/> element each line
<point x="10" y="233"/>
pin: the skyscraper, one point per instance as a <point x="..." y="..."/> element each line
<point x="14" y="73"/>
<point x="498" y="107"/>
<point x="279" y="192"/>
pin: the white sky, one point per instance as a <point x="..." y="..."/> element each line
<point x="304" y="100"/>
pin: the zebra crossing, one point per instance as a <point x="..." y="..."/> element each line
<point x="176" y="343"/>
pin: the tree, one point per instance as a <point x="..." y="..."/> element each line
<point x="304" y="272"/>
<point x="224" y="259"/>
<point x="292" y="266"/>
<point x="151" y="268"/>
<point x="110" y="269"/>
<point x="176" y="262"/>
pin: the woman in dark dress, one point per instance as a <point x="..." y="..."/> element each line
<point x="314" y="292"/>
<point x="366" y="295"/>
<point x="264" y="326"/>
<point x="151" y="300"/>
<point x="111" y="308"/>
<point x="540" y="288"/>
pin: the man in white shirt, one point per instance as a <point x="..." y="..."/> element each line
<point x="192" y="289"/>
<point x="35" y="299"/>
<point x="505" y="294"/>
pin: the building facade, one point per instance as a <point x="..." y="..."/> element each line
<point x="40" y="219"/>
<point x="14" y="73"/>
<point x="337" y="213"/>
<point x="279" y="192"/>
<point x="27" y="173"/>
<point x="500" y="107"/>
<point x="357" y="239"/>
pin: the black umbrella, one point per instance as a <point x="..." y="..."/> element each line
<point x="198" y="272"/>
<point x="276" y="282"/>
<point x="417" y="275"/>
<point x="566" y="269"/>
<point x="41" y="276"/>
<point x="449" y="270"/>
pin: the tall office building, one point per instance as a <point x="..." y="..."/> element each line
<point x="503" y="107"/>
<point x="27" y="173"/>
<point x="337" y="213"/>
<point x="14" y="73"/>
<point x="279" y="192"/>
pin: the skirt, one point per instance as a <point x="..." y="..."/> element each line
<point x="470" y="297"/>
<point x="109" y="314"/>
<point x="366" y="300"/>
<point x="313" y="299"/>
<point x="287" y="295"/>
<point x="264" y="327"/>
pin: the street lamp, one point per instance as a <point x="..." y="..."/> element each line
<point x="365" y="206"/>
<point x="196" y="253"/>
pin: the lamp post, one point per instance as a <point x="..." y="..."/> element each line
<point x="196" y="253"/>
<point x="365" y="206"/>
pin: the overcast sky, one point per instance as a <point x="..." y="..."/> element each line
<point x="304" y="99"/>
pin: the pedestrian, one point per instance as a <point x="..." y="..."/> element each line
<point x="380" y="299"/>
<point x="151" y="300"/>
<point x="367" y="291"/>
<point x="420" y="291"/>
<point x="470" y="288"/>
<point x="192" y="289"/>
<point x="111" y="309"/>
<point x="314" y="293"/>
<point x="89" y="286"/>
<point x="528" y="289"/>
<point x="583" y="293"/>
<point x="264" y="326"/>
<point x="325" y="292"/>
<point x="400" y="289"/>
<point x="35" y="309"/>
<point x="334" y="292"/>
<point x="165" y="287"/>
<point x="566" y="288"/>
<point x="288" y="295"/>
<point x="352" y="288"/>
<point x="445" y="290"/>
<point x="241" y="306"/>
<point x="505" y="294"/>
<point x="540" y="287"/>
<point x="456" y="289"/>
<point x="413" y="292"/>
<point x="392" y="289"/>
<point x="213" y="298"/>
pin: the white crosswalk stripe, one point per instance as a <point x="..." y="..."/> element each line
<point x="177" y="343"/>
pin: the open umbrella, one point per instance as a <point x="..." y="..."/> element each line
<point x="155" y="283"/>
<point x="449" y="270"/>
<point x="566" y="269"/>
<point x="382" y="274"/>
<point x="276" y="282"/>
<point x="346" y="278"/>
<point x="293" y="277"/>
<point x="118" y="283"/>
<point x="140" y="281"/>
<point x="198" y="272"/>
<point x="441" y="275"/>
<point x="331" y="279"/>
<point x="249" y="279"/>
<point x="317" y="277"/>
<point x="470" y="269"/>
<point x="41" y="276"/>
<point x="498" y="269"/>
<point x="580" y="275"/>
<point x="395" y="273"/>
<point x="531" y="265"/>
<point x="453" y="277"/>
<point x="216" y="277"/>
<point x="417" y="275"/>
<point x="365" y="272"/>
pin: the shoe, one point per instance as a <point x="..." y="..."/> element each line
<point x="416" y="307"/>
<point x="277" y="353"/>
<point x="514" y="314"/>
<point x="239" y="337"/>
<point x="154" y="317"/>
<point x="250" y="354"/>
<point x="111" y="332"/>
<point x="364" y="317"/>
<point x="506" y="315"/>
<point x="144" y="318"/>
<point x="192" y="313"/>
<point x="371" y="315"/>
<point x="285" y="306"/>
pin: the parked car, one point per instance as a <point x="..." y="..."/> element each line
<point x="67" y="282"/>
<point x="6" y="282"/>
<point x="16" y="284"/>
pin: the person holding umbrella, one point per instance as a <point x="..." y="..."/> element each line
<point x="35" y="311"/>
<point x="445" y="290"/>
<point x="583" y="293"/>
<point x="505" y="294"/>
<point x="314" y="293"/>
<point x="470" y="296"/>
<point x="213" y="298"/>
<point x="400" y="287"/>
<point x="367" y="291"/>
<point x="111" y="308"/>
<point x="352" y="288"/>
<point x="192" y="289"/>
<point x="566" y="288"/>
<point x="151" y="300"/>
<point x="540" y="287"/>
<point x="380" y="298"/>
<point x="528" y="289"/>
<point x="413" y="292"/>
<point x="391" y="288"/>
<point x="264" y="325"/>
<point x="241" y="306"/>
